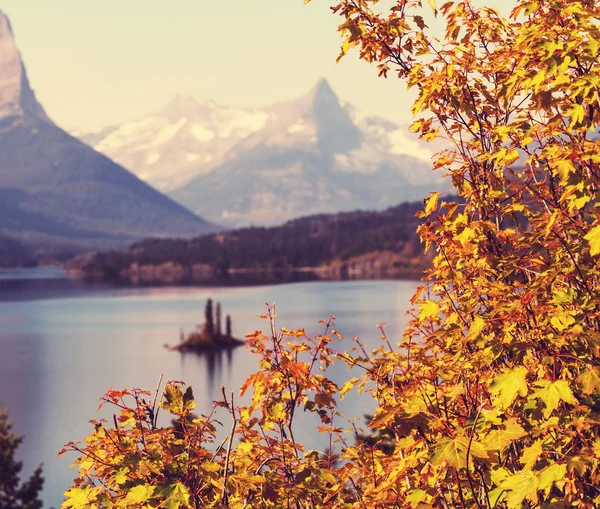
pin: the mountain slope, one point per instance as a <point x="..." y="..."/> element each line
<point x="54" y="190"/>
<point x="263" y="167"/>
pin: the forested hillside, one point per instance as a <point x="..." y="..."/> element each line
<point x="337" y="245"/>
<point x="12" y="254"/>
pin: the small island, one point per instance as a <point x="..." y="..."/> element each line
<point x="209" y="337"/>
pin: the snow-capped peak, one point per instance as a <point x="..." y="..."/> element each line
<point x="242" y="166"/>
<point x="183" y="139"/>
<point x="16" y="96"/>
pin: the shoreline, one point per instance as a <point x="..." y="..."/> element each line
<point x="371" y="266"/>
<point x="237" y="279"/>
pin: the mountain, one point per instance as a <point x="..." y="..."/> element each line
<point x="57" y="191"/>
<point x="265" y="166"/>
<point x="348" y="245"/>
<point x="315" y="155"/>
<point x="183" y="140"/>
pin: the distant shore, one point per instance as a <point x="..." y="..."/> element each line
<point x="372" y="266"/>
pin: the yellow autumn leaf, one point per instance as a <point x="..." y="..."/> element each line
<point x="562" y="320"/>
<point x="552" y="393"/>
<point x="508" y="385"/>
<point x="531" y="454"/>
<point x="79" y="497"/>
<point x="550" y="475"/>
<point x="590" y="380"/>
<point x="499" y="439"/>
<point x="593" y="237"/>
<point x="476" y="327"/>
<point x="431" y="203"/>
<point x="429" y="309"/>
<point x="277" y="411"/>
<point x="454" y="451"/>
<point x="596" y="447"/>
<point x="519" y="487"/>
<point x="139" y="494"/>
<point x="466" y="236"/>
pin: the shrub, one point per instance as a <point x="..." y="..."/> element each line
<point x="491" y="399"/>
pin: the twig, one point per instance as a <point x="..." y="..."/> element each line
<point x="154" y="409"/>
<point x="224" y="496"/>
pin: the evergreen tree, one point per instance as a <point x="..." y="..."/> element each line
<point x="218" y="319"/>
<point x="13" y="493"/>
<point x="228" y="326"/>
<point x="209" y="323"/>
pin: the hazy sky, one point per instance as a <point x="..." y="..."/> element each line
<point x="93" y="63"/>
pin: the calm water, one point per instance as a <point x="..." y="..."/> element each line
<point x="62" y="345"/>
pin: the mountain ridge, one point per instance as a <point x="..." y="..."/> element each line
<point x="307" y="155"/>
<point x="57" y="191"/>
<point x="16" y="95"/>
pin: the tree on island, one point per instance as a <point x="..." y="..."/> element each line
<point x="218" y="319"/>
<point x="228" y="326"/>
<point x="209" y="337"/>
<point x="15" y="494"/>
<point x="209" y="324"/>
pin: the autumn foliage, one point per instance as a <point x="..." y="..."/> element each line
<point x="491" y="398"/>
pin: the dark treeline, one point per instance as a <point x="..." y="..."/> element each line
<point x="306" y="242"/>
<point x="14" y="254"/>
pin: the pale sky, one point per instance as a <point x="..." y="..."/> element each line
<point x="94" y="63"/>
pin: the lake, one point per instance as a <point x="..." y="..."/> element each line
<point x="63" y="344"/>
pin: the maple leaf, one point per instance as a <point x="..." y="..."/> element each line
<point x="176" y="496"/>
<point x="139" y="494"/>
<point x="453" y="451"/>
<point x="519" y="487"/>
<point x="510" y="384"/>
<point x="552" y="393"/>
<point x="531" y="454"/>
<point x="79" y="497"/>
<point x="550" y="475"/>
<point x="500" y="439"/>
<point x="429" y="309"/>
<point x="476" y="327"/>
<point x="593" y="237"/>
<point x="590" y="380"/>
<point x="431" y="203"/>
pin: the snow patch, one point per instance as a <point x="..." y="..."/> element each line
<point x="190" y="157"/>
<point x="201" y="133"/>
<point x="342" y="160"/>
<point x="169" y="131"/>
<point x="245" y="121"/>
<point x="132" y="127"/>
<point x="298" y="127"/>
<point x="152" y="158"/>
<point x="126" y="134"/>
<point x="401" y="144"/>
<point x="365" y="160"/>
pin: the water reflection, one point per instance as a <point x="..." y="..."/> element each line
<point x="59" y="355"/>
<point x="211" y="363"/>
